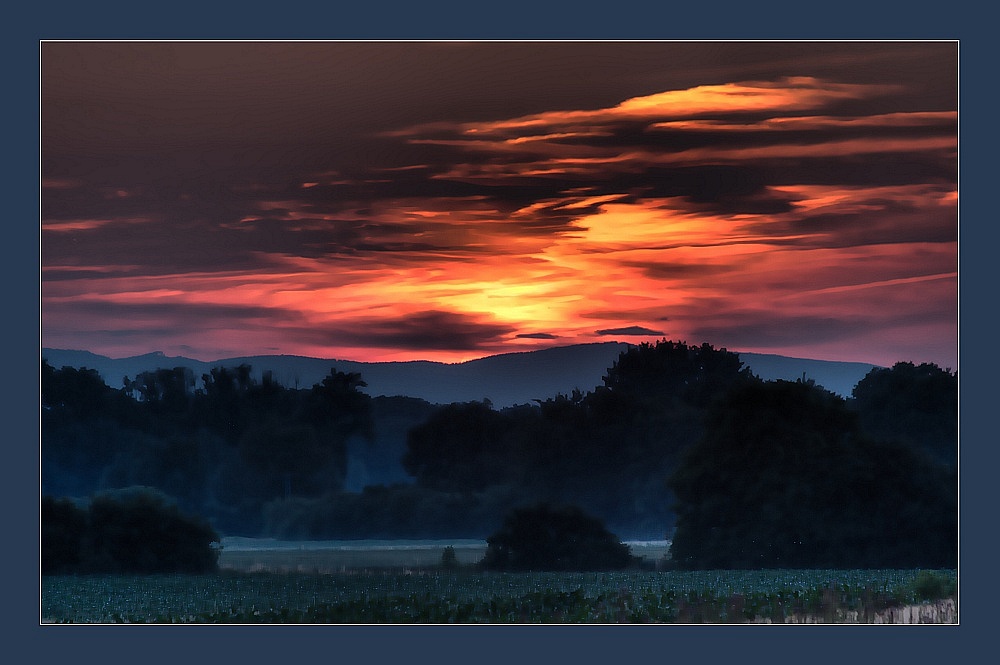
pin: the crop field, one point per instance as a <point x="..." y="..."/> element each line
<point x="317" y="586"/>
<point x="365" y="582"/>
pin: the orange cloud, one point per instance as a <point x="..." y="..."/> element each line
<point x="641" y="263"/>
<point x="787" y="94"/>
<point x="67" y="225"/>
<point x="60" y="183"/>
<point x="798" y="123"/>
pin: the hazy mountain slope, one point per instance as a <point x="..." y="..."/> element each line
<point x="505" y="379"/>
<point x="838" y="377"/>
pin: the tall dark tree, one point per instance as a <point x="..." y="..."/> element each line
<point x="674" y="371"/>
<point x="84" y="426"/>
<point x="649" y="411"/>
<point x="785" y="477"/>
<point x="167" y="391"/>
<point x="223" y="402"/>
<point x="338" y="405"/>
<point x="608" y="450"/>
<point x="462" y="447"/>
<point x="74" y="392"/>
<point x="914" y="404"/>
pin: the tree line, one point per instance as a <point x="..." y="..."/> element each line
<point x="222" y="450"/>
<point x="680" y="440"/>
<point x="133" y="531"/>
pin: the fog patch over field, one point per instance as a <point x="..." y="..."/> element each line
<point x="328" y="556"/>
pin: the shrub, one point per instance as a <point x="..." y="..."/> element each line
<point x="547" y="538"/>
<point x="137" y="530"/>
<point x="449" y="561"/>
<point x="932" y="586"/>
<point x="62" y="532"/>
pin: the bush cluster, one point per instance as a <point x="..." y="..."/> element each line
<point x="555" y="538"/>
<point x="131" y="531"/>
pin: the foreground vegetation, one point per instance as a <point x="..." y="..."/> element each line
<point x="467" y="596"/>
<point x="137" y="530"/>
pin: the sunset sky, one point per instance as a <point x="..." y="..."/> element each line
<point x="451" y="200"/>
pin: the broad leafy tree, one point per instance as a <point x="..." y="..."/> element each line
<point x="914" y="404"/>
<point x="135" y="530"/>
<point x="462" y="447"/>
<point x="785" y="477"/>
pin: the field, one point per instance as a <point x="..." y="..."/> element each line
<point x="393" y="582"/>
<point x="259" y="555"/>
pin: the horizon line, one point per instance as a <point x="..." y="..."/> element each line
<point x="42" y="349"/>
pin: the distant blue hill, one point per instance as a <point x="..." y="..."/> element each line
<point x="505" y="379"/>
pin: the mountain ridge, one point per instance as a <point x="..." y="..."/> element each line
<point x="505" y="379"/>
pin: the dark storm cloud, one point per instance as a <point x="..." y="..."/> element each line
<point x="898" y="225"/>
<point x="247" y="124"/>
<point x="629" y="331"/>
<point x="665" y="270"/>
<point x="191" y="316"/>
<point x="537" y="336"/>
<point x="727" y="172"/>
<point x="158" y="247"/>
<point x="864" y="170"/>
<point x="239" y="113"/>
<point x="421" y="330"/>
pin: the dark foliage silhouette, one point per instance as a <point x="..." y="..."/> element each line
<point x="137" y="530"/>
<point x="63" y="528"/>
<point x="760" y="473"/>
<point x="608" y="450"/>
<point x="556" y="538"/>
<point x="785" y="477"/>
<point x="914" y="404"/>
<point x="221" y="450"/>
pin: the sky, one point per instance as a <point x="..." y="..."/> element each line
<point x="449" y="200"/>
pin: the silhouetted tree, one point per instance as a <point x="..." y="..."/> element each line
<point x="394" y="511"/>
<point x="608" y="450"/>
<point x="290" y="456"/>
<point x="63" y="528"/>
<point x="670" y="372"/>
<point x="75" y="393"/>
<point x="914" y="404"/>
<point x="176" y="463"/>
<point x="462" y="447"/>
<point x="544" y="537"/>
<point x="165" y="390"/>
<point x="338" y="401"/>
<point x="84" y="426"/>
<point x="137" y="530"/>
<point x="223" y="403"/>
<point x="784" y="477"/>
